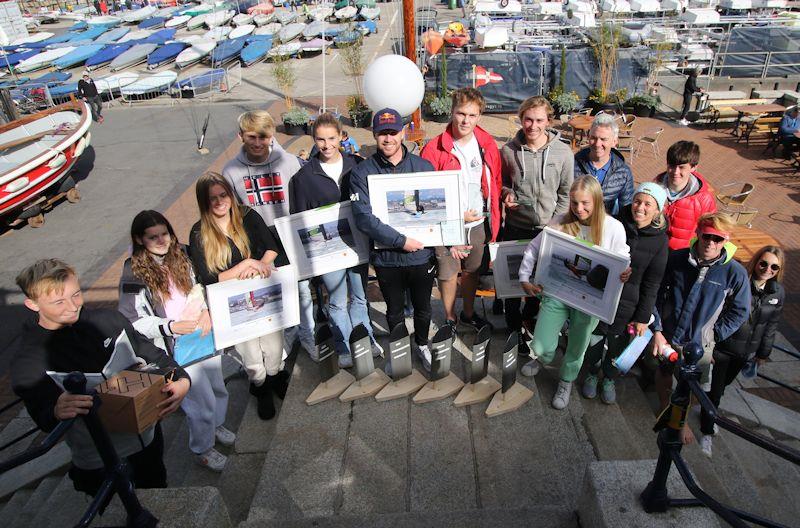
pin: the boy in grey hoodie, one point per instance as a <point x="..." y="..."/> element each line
<point x="537" y="175"/>
<point x="260" y="174"/>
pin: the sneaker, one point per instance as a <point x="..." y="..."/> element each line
<point x="225" y="436"/>
<point x="531" y="368"/>
<point x="424" y="354"/>
<point x="590" y="387"/>
<point x="705" y="444"/>
<point x="377" y="349"/>
<point x="212" y="459"/>
<point x="561" y="399"/>
<point x="477" y="322"/>
<point x="345" y="360"/>
<point x="683" y="122"/>
<point x="716" y="429"/>
<point x="609" y="392"/>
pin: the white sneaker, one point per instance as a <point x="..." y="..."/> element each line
<point x="531" y="368"/>
<point x="425" y="355"/>
<point x="705" y="444"/>
<point x="716" y="429"/>
<point x="561" y="399"/>
<point x="225" y="436"/>
<point x="683" y="122"/>
<point x="212" y="459"/>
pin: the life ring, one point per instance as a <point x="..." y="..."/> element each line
<point x="504" y="3"/>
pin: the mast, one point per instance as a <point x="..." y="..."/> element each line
<point x="410" y="37"/>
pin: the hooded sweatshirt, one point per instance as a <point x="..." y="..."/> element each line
<point x="263" y="186"/>
<point x="540" y="179"/>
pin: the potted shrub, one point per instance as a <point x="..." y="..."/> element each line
<point x="437" y="107"/>
<point x="360" y="114"/>
<point x="563" y="102"/>
<point x="644" y="105"/>
<point x="604" y="42"/>
<point x="295" y="121"/>
<point x="353" y="66"/>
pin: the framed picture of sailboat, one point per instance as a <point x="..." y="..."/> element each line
<point x="425" y="206"/>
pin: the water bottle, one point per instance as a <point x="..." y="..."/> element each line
<point x="668" y="354"/>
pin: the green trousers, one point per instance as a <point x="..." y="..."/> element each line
<point x="552" y="315"/>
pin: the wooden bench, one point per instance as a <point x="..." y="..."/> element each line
<point x="723" y="108"/>
<point x="763" y="126"/>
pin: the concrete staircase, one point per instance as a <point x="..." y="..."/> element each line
<point x="397" y="463"/>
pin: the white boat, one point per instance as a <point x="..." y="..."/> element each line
<point x="242" y="19"/>
<point x="285" y="50"/>
<point x="497" y="6"/>
<point x="615" y="6"/>
<point x="345" y="13"/>
<point x="42" y="60"/>
<point x="135" y="35"/>
<point x="219" y="18"/>
<point x="664" y="34"/>
<point x="269" y="29"/>
<point x="286" y="17"/>
<point x="177" y="22"/>
<point x="241" y="31"/>
<point x="136" y="55"/>
<point x="114" y="82"/>
<point x="736" y="4"/>
<point x="769" y="4"/>
<point x="370" y="13"/>
<point x="194" y="54"/>
<point x="189" y="39"/>
<point x="491" y="36"/>
<point x="291" y="32"/>
<point x="699" y="17"/>
<point x="320" y="12"/>
<point x="196" y="21"/>
<point x="148" y="84"/>
<point x="582" y="6"/>
<point x="166" y="12"/>
<point x="263" y="20"/>
<point x="646" y="6"/>
<point x="104" y="20"/>
<point x="41" y="150"/>
<point x="548" y="8"/>
<point x="636" y="32"/>
<point x="35" y="37"/>
<point x="218" y="33"/>
<point x="579" y="19"/>
<point x="313" y="29"/>
<point x="137" y="15"/>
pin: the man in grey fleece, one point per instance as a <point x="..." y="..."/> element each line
<point x="260" y="174"/>
<point x="537" y="174"/>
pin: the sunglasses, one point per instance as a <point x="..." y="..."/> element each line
<point x="712" y="238"/>
<point x="764" y="265"/>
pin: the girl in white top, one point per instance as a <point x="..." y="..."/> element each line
<point x="586" y="220"/>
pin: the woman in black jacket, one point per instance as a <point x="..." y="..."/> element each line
<point x="646" y="230"/>
<point x="754" y="339"/>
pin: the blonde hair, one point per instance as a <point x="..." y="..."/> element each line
<point x="779" y="253"/>
<point x="213" y="240"/>
<point x="537" y="101"/>
<point x="44" y="276"/>
<point x="721" y="222"/>
<point x="258" y="121"/>
<point x="570" y="223"/>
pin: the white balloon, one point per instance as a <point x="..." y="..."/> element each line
<point x="393" y="81"/>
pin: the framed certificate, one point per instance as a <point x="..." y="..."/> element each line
<point x="506" y="258"/>
<point x="425" y="206"/>
<point x="322" y="240"/>
<point x="246" y="309"/>
<point x="579" y="274"/>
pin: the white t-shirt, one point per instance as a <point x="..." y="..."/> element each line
<point x="469" y="157"/>
<point x="334" y="170"/>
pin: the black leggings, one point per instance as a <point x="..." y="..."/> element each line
<point x="726" y="368"/>
<point x="596" y="357"/>
<point x="418" y="280"/>
<point x="687" y="104"/>
<point x="511" y="307"/>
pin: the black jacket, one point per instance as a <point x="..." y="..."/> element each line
<point x="649" y="251"/>
<point x="756" y="336"/>
<point x="86" y="89"/>
<point x="690" y="87"/>
<point x="311" y="187"/>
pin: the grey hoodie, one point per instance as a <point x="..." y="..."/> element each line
<point x="263" y="186"/>
<point x="540" y="179"/>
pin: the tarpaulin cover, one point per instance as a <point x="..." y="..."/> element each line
<point x="757" y="42"/>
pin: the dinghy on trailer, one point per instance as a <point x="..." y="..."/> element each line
<point x="242" y="31"/>
<point x="113" y="83"/>
<point x="177" y="22"/>
<point x="194" y="54"/>
<point x="42" y="60"/>
<point x="106" y="55"/>
<point x="270" y="29"/>
<point x="13" y="59"/>
<point x="255" y="51"/>
<point x="365" y="27"/>
<point x="112" y="36"/>
<point x="218" y="33"/>
<point x="150" y="84"/>
<point x="201" y="82"/>
<point x="137" y="15"/>
<point x="290" y="32"/>
<point x="36" y="37"/>
<point x="107" y="21"/>
<point x="286" y="17"/>
<point x="285" y="50"/>
<point x="370" y="13"/>
<point x="491" y="36"/>
<point x="152" y="23"/>
<point x="242" y="19"/>
<point x="37" y="154"/>
<point x="77" y="56"/>
<point x="63" y="92"/>
<point x="345" y="13"/>
<point x="313" y="46"/>
<point x="699" y="17"/>
<point x="226" y="51"/>
<point x="263" y="20"/>
<point x="140" y="34"/>
<point x="165" y="54"/>
<point x="135" y="55"/>
<point x="196" y="22"/>
<point x="264" y="8"/>
<point x="219" y="18"/>
<point x="52" y="78"/>
<point x="615" y="6"/>
<point x="320" y="12"/>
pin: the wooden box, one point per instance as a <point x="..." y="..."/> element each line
<point x="129" y="399"/>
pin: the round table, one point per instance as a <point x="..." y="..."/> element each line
<point x="580" y="123"/>
<point x="748" y="241"/>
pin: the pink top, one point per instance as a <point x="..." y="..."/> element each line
<point x="178" y="307"/>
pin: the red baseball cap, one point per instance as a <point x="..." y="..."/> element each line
<point x="707" y="228"/>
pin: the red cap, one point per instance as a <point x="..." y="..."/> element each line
<point x="707" y="228"/>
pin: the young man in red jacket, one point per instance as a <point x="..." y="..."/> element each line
<point x="688" y="194"/>
<point x="467" y="147"/>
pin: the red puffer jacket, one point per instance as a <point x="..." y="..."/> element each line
<point x="439" y="151"/>
<point x="683" y="214"/>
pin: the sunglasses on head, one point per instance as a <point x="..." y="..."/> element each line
<point x="708" y="237"/>
<point x="764" y="265"/>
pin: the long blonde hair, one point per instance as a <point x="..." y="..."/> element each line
<point x="214" y="241"/>
<point x="571" y="225"/>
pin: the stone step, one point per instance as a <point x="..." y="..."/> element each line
<point x="609" y="432"/>
<point x="35" y="502"/>
<point x="14" y="505"/>
<point x="20" y="424"/>
<point x="540" y="517"/>
<point x="31" y="472"/>
<point x="63" y="507"/>
<point x="639" y="415"/>
<point x="198" y="507"/>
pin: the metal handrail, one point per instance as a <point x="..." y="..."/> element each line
<point x="35" y="452"/>
<point x="654" y="497"/>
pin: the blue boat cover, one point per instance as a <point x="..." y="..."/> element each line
<point x="15" y="58"/>
<point x="152" y="22"/>
<point x="165" y="53"/>
<point x="79" y="26"/>
<point x="107" y="54"/>
<point x="255" y="51"/>
<point x="64" y="90"/>
<point x="112" y="36"/>
<point x="52" y="78"/>
<point x="226" y="50"/>
<point x="159" y="37"/>
<point x="77" y="56"/>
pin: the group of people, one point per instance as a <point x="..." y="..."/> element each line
<point x="682" y="282"/>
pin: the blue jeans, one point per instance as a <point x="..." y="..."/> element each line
<point x="345" y="316"/>
<point x="305" y="330"/>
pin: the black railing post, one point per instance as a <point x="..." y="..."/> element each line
<point x="116" y="468"/>
<point x="655" y="498"/>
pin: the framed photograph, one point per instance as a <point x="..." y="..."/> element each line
<point x="322" y="240"/>
<point x="506" y="258"/>
<point x="583" y="276"/>
<point x="425" y="206"/>
<point x="246" y="309"/>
